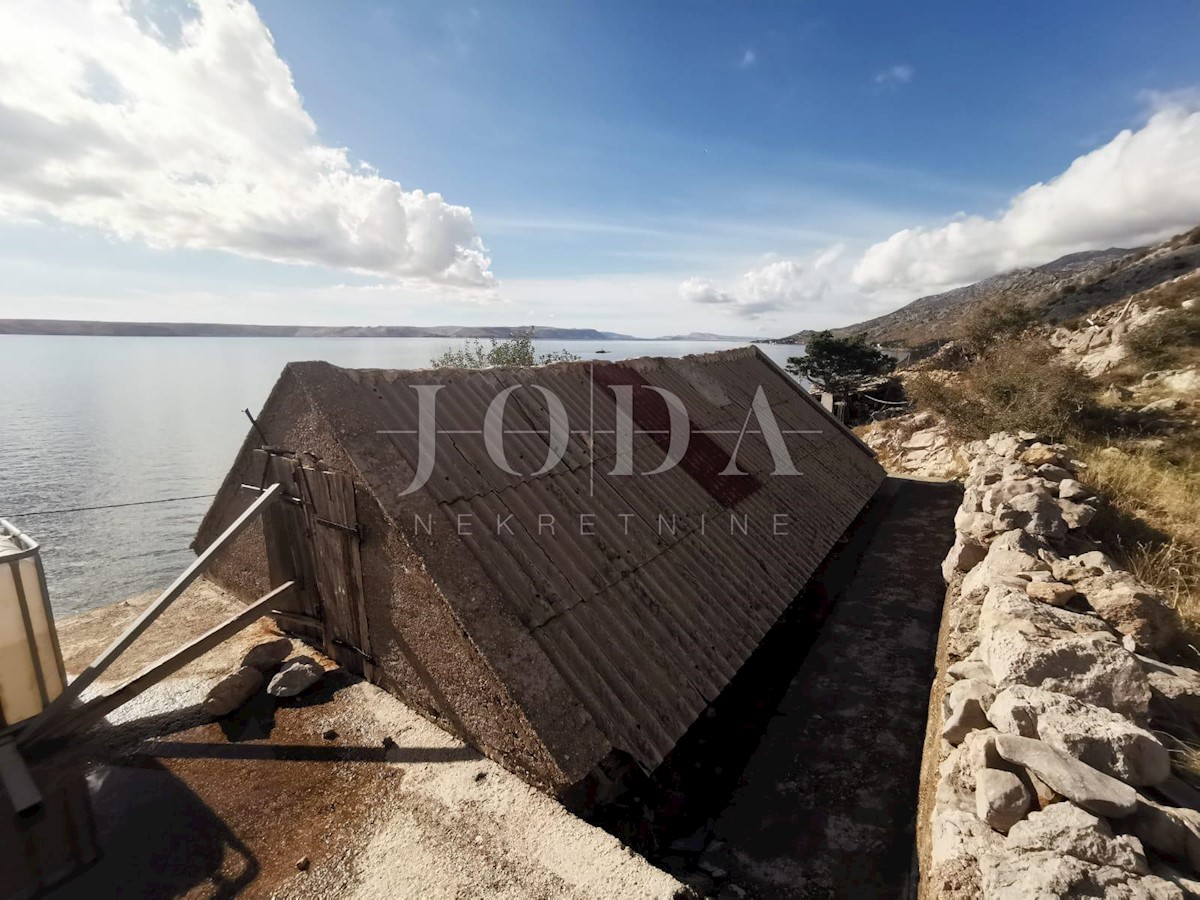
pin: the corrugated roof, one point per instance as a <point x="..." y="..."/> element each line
<point x="648" y="619"/>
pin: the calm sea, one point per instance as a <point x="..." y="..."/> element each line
<point x="90" y="421"/>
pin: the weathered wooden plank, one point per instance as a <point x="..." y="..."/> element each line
<point x="339" y="568"/>
<point x="315" y="542"/>
<point x="98" y="707"/>
<point x="73" y="690"/>
<point x="289" y="557"/>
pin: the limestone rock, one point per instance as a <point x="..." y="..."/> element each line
<point x="1092" y="668"/>
<point x="297" y="675"/>
<point x="957" y="879"/>
<point x="1132" y="608"/>
<point x="1043" y="794"/>
<point x="1066" y="570"/>
<point x="969" y="668"/>
<point x="923" y="440"/>
<point x="1004" y="491"/>
<point x="1008" y="606"/>
<point x="1095" y="559"/>
<point x="966" y="706"/>
<point x="1168" y="404"/>
<point x="1040" y="455"/>
<point x="1175" y="692"/>
<point x="1185" y="381"/>
<point x="1056" y="474"/>
<point x="1076" y="515"/>
<point x="232" y="691"/>
<point x="1045" y="874"/>
<point x="1034" y="512"/>
<point x="978" y="525"/>
<point x="1104" y="740"/>
<point x="1010" y="554"/>
<point x="956" y="833"/>
<point x="1053" y="592"/>
<point x="1004" y="444"/>
<point x="1171" y="831"/>
<point x="1186" y="883"/>
<point x="1081" y="784"/>
<point x="1065" y="828"/>
<point x="268" y="654"/>
<point x="1000" y="799"/>
<point x="1020" y="876"/>
<point x="1070" y="489"/>
<point x="963" y="556"/>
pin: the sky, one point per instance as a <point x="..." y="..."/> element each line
<point x="745" y="168"/>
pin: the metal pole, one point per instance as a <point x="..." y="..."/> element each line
<point x="72" y="691"/>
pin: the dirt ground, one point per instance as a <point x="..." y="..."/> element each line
<point x="341" y="792"/>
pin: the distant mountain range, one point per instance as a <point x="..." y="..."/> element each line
<point x="706" y="336"/>
<point x="937" y="315"/>
<point x="209" y="329"/>
<point x="1062" y="290"/>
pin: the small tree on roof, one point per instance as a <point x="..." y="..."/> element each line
<point x="840" y="365"/>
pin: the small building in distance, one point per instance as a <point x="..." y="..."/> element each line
<point x="526" y="583"/>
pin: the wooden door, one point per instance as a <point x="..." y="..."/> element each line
<point x="313" y="538"/>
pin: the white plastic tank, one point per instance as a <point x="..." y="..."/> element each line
<point x="31" y="667"/>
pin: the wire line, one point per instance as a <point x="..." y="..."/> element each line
<point x="55" y="512"/>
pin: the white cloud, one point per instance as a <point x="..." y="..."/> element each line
<point x="895" y="75"/>
<point x="1141" y="187"/>
<point x="749" y="58"/>
<point x="178" y="125"/>
<point x="773" y="286"/>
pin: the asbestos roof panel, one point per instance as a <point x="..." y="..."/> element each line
<point x="650" y="608"/>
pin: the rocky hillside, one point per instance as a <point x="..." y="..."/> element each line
<point x="1064" y="289"/>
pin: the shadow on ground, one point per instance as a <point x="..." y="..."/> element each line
<point x="801" y="781"/>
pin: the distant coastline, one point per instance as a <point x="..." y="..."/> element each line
<point x="79" y="328"/>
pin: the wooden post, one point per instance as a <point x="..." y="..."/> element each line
<point x="99" y="707"/>
<point x="72" y="691"/>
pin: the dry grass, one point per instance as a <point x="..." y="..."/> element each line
<point x="1018" y="385"/>
<point x="1185" y="754"/>
<point x="1154" y="523"/>
<point x="1169" y="340"/>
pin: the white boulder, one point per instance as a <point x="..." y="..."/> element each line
<point x="965" y="708"/>
<point x="1070" y="489"/>
<point x="1081" y="784"/>
<point x="1092" y="668"/>
<point x="1001" y="800"/>
<point x="1103" y="739"/>
<point x="1065" y="828"/>
<point x="964" y="555"/>
<point x="233" y="691"/>
<point x="296" y="676"/>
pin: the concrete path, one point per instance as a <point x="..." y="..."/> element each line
<point x="828" y="801"/>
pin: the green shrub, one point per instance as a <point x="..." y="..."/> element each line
<point x="1016" y="386"/>
<point x="995" y="321"/>
<point x="516" y="351"/>
<point x="1166" y="339"/>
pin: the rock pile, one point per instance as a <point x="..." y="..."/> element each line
<point x="1101" y="346"/>
<point x="269" y="658"/>
<point x="1052" y="780"/>
<point x="916" y="444"/>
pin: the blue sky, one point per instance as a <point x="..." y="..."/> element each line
<point x="648" y="168"/>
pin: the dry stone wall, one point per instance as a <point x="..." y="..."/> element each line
<point x="1056" y="697"/>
